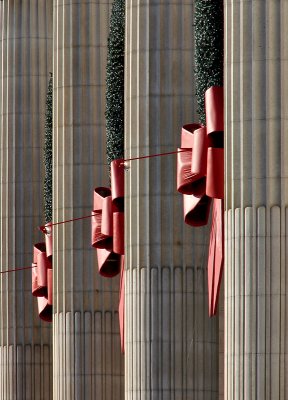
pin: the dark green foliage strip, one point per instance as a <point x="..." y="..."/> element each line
<point x="208" y="49"/>
<point x="48" y="153"/>
<point x="115" y="83"/>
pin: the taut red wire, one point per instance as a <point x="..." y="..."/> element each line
<point x="43" y="228"/>
<point x="156" y="155"/>
<point x="15" y="270"/>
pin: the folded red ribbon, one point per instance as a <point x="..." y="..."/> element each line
<point x="108" y="232"/>
<point x="107" y="225"/>
<point x="108" y="222"/>
<point x="102" y="233"/>
<point x="117" y="188"/>
<point x="200" y="178"/>
<point x="121" y="308"/>
<point x="42" y="276"/>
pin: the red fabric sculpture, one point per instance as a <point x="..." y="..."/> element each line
<point x="108" y="231"/>
<point x="42" y="275"/>
<point x="200" y="178"/>
<point x="102" y="233"/>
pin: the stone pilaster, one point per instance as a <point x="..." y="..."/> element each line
<point x="256" y="98"/>
<point x="26" y="59"/>
<point x="171" y="344"/>
<point x="87" y="363"/>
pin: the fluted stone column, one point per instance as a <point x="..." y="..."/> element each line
<point x="87" y="363"/>
<point x="25" y="59"/>
<point x="256" y="284"/>
<point x="171" y="344"/>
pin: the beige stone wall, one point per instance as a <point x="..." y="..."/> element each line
<point x="171" y="344"/>
<point x="256" y="123"/>
<point x="25" y="62"/>
<point x="87" y="362"/>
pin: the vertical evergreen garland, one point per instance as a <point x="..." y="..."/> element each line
<point x="209" y="42"/>
<point x="115" y="83"/>
<point x="48" y="153"/>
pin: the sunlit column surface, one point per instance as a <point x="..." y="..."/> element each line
<point x="171" y="344"/>
<point x="256" y="126"/>
<point x="87" y="363"/>
<point x="25" y="62"/>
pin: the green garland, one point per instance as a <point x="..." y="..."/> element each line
<point x="48" y="152"/>
<point x="115" y="83"/>
<point x="208" y="49"/>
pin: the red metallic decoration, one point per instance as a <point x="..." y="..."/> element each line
<point x="108" y="232"/>
<point x="44" y="309"/>
<point x="200" y="178"/>
<point x="216" y="255"/>
<point x="42" y="281"/>
<point x="108" y="222"/>
<point x="102" y="233"/>
<point x="121" y="307"/>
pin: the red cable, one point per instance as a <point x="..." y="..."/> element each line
<point x="15" y="270"/>
<point x="43" y="227"/>
<point x="156" y="155"/>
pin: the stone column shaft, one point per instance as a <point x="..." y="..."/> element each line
<point x="171" y="344"/>
<point x="87" y="363"/>
<point x="256" y="98"/>
<point x="25" y="59"/>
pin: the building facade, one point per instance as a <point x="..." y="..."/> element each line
<point x="173" y="350"/>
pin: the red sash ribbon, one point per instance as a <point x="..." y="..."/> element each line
<point x="42" y="275"/>
<point x="108" y="232"/>
<point x="200" y="178"/>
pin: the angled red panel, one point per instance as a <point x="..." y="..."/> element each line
<point x="107" y="220"/>
<point x="99" y="194"/>
<point x="44" y="309"/>
<point x="121" y="308"/>
<point x="184" y="175"/>
<point x="187" y="135"/>
<point x="214" y="106"/>
<point x="216" y="255"/>
<point x="118" y="232"/>
<point x="108" y="262"/>
<point x="199" y="162"/>
<point x="196" y="209"/>
<point x="215" y="173"/>
<point x="50" y="286"/>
